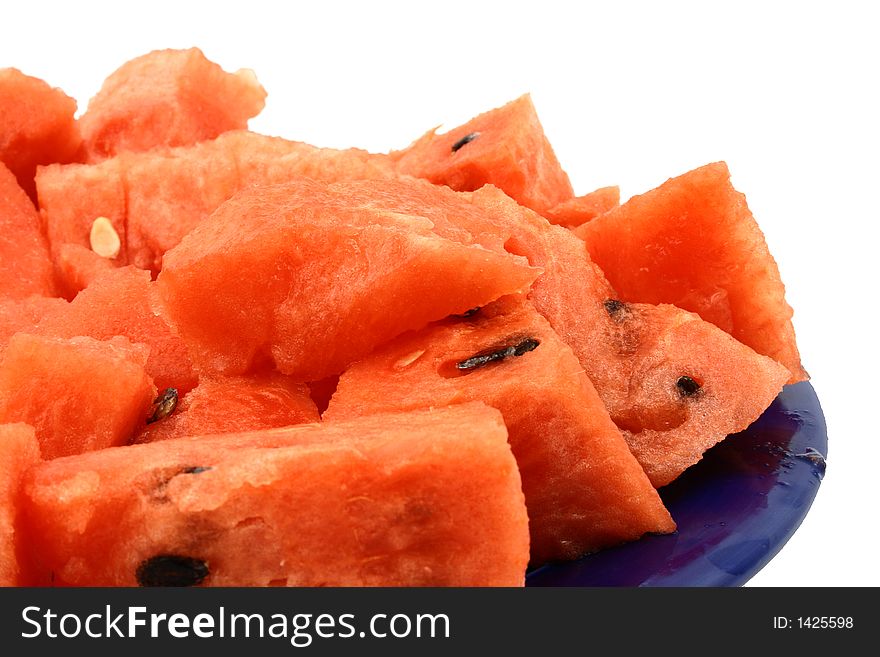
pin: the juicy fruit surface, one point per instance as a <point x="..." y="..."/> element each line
<point x="581" y="209"/>
<point x="295" y="280"/>
<point x="429" y="498"/>
<point x="27" y="269"/>
<point x="228" y="405"/>
<point x="693" y="242"/>
<point x="77" y="267"/>
<point x="385" y="272"/>
<point x="153" y="199"/>
<point x="36" y="126"/>
<point x="25" y="315"/>
<point x="505" y="147"/>
<point x="19" y="451"/>
<point x="679" y="385"/>
<point x="78" y="394"/>
<point x="583" y="488"/>
<point x="620" y="346"/>
<point x="120" y="302"/>
<point x="168" y="98"/>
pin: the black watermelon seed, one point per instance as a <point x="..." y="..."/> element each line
<point x="467" y="139"/>
<point x="195" y="470"/>
<point x="497" y="354"/>
<point x="615" y="308"/>
<point x="163" y="405"/>
<point x="524" y="347"/>
<point x="469" y="313"/>
<point x="171" y="570"/>
<point x="687" y="387"/>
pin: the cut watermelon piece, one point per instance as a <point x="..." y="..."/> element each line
<point x="78" y="394"/>
<point x="427" y="498"/>
<point x="27" y="269"/>
<point x="581" y="209"/>
<point x="153" y="199"/>
<point x="679" y="385"/>
<point x="36" y="126"/>
<point x="584" y="489"/>
<point x="168" y="98"/>
<point x="19" y="451"/>
<point x="693" y="242"/>
<point x="505" y="147"/>
<point x="235" y="404"/>
<point x="76" y="267"/>
<point x="119" y="302"/>
<point x="384" y="272"/>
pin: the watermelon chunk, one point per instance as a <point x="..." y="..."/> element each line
<point x="384" y="272"/>
<point x="19" y="451"/>
<point x="679" y="385"/>
<point x="27" y="269"/>
<point x="235" y="404"/>
<point x="430" y="498"/>
<point x="584" y="489"/>
<point x="168" y="98"/>
<point x="693" y="242"/>
<point x="120" y="302"/>
<point x="78" y="394"/>
<point x="505" y="147"/>
<point x="36" y="126"/>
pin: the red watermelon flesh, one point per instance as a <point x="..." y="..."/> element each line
<point x="681" y="385"/>
<point x="168" y="195"/>
<point x="36" y="126"/>
<point x="19" y="451"/>
<point x="153" y="199"/>
<point x="234" y="404"/>
<point x="384" y="272"/>
<point x="168" y="98"/>
<point x="120" y="302"/>
<point x="24" y="254"/>
<point x="264" y="160"/>
<point x="581" y="209"/>
<point x="429" y="498"/>
<point x="693" y="242"/>
<point x="505" y="147"/>
<point x="584" y="489"/>
<point x="578" y="302"/>
<point x="76" y="267"/>
<point x="73" y="196"/>
<point x="571" y="290"/>
<point x="24" y="315"/>
<point x="78" y="394"/>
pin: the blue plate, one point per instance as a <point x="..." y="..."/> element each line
<point x="735" y="509"/>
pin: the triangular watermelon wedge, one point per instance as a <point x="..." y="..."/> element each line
<point x="584" y="490"/>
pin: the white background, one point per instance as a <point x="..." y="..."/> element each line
<point x="629" y="94"/>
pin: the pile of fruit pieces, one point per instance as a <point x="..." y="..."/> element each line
<point x="233" y="359"/>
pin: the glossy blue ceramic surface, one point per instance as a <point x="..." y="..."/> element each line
<point x="735" y="509"/>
